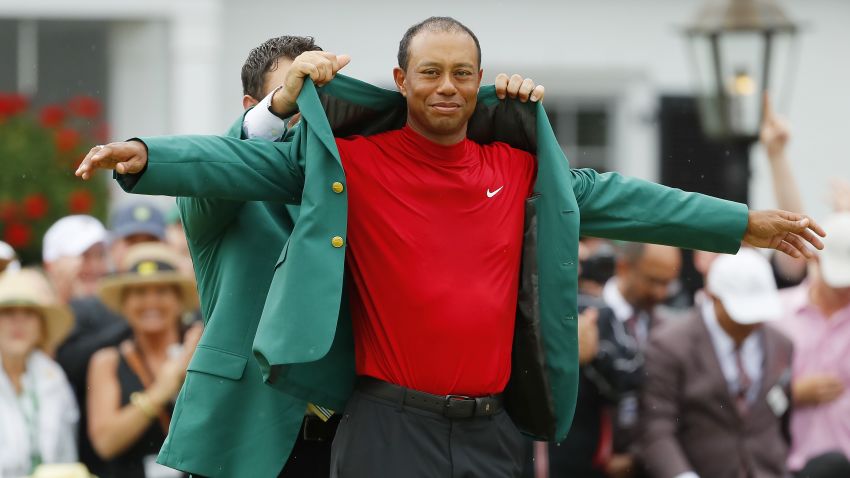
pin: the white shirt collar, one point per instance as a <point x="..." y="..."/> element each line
<point x="614" y="299"/>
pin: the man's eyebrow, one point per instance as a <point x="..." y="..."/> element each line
<point x="431" y="64"/>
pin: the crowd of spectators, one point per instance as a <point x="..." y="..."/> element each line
<point x="748" y="381"/>
<point x="94" y="345"/>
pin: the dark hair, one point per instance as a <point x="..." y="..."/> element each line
<point x="433" y="24"/>
<point x="264" y="59"/>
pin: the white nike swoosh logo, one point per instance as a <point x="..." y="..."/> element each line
<point x="491" y="194"/>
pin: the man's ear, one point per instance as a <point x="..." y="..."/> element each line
<point x="248" y="101"/>
<point x="480" y="75"/>
<point x="399" y="76"/>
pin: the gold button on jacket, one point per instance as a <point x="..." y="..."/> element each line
<point x="337" y="241"/>
<point x="337" y="187"/>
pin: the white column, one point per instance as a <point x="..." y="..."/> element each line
<point x="195" y="46"/>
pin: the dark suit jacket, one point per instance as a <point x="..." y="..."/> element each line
<point x="689" y="419"/>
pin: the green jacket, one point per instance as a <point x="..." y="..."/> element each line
<point x="304" y="341"/>
<point x="227" y="423"/>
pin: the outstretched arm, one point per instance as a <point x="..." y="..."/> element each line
<point x="207" y="166"/>
<point x="203" y="166"/>
<point x="616" y="207"/>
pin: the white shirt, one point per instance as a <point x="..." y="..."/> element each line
<point x="47" y="391"/>
<point x="261" y="123"/>
<point x="752" y="353"/>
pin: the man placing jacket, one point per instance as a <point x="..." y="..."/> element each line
<point x="226" y="422"/>
<point x="433" y="220"/>
<point x="247" y="423"/>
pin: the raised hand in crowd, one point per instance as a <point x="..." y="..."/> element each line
<point x="774" y="137"/>
<point x="775" y="133"/>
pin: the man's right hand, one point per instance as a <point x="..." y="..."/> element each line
<point x="817" y="389"/>
<point x="320" y="66"/>
<point x="127" y="157"/>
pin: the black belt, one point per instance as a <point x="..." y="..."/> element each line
<point x="450" y="406"/>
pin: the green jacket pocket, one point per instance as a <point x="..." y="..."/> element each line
<point x="218" y="362"/>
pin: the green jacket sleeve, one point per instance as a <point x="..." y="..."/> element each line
<point x="616" y="207"/>
<point x="204" y="219"/>
<point x="220" y="167"/>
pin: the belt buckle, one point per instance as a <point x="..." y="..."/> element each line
<point x="447" y="407"/>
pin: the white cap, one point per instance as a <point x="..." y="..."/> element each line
<point x="745" y="286"/>
<point x="835" y="256"/>
<point x="71" y="236"/>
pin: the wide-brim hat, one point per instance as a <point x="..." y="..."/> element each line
<point x="148" y="263"/>
<point x="29" y="288"/>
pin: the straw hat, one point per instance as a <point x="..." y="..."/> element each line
<point x="29" y="288"/>
<point x="148" y="263"/>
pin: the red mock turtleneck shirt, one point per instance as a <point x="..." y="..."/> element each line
<point x="434" y="241"/>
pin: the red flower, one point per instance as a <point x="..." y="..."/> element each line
<point x="67" y="139"/>
<point x="12" y="104"/>
<point x="52" y="116"/>
<point x="35" y="206"/>
<point x="8" y="211"/>
<point x="80" y="201"/>
<point x="84" y="106"/>
<point x="17" y="235"/>
<point x="19" y="103"/>
<point x="5" y="105"/>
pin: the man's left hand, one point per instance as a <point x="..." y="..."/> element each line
<point x="784" y="231"/>
<point x="518" y="87"/>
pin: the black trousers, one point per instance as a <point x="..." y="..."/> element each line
<point x="378" y="438"/>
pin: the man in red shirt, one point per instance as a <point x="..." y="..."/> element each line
<point x="435" y="225"/>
